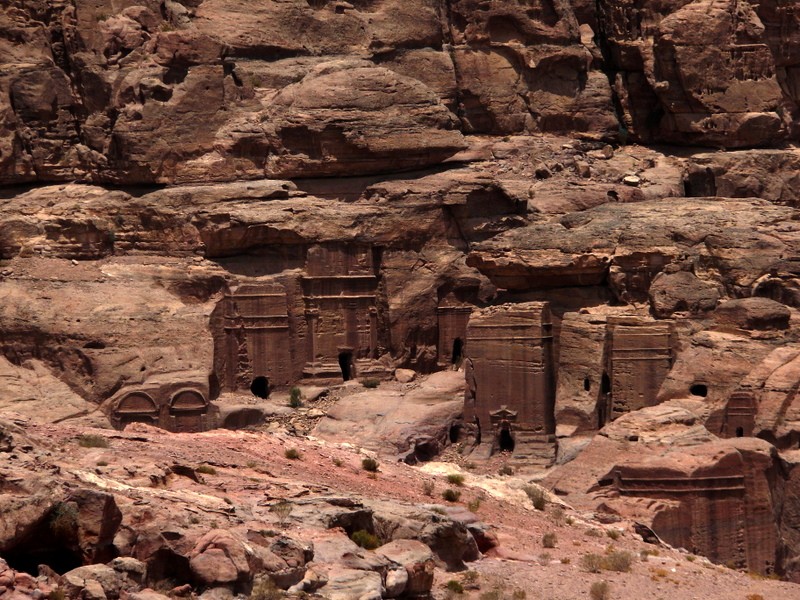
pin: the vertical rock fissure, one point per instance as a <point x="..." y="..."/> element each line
<point x="445" y="18"/>
<point x="607" y="66"/>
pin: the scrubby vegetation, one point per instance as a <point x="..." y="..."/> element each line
<point x="451" y="495"/>
<point x="370" y="464"/>
<point x="365" y="539"/>
<point x="89" y="440"/>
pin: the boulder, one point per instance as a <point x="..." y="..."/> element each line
<point x="404" y="375"/>
<point x="220" y="558"/>
<point x="353" y="584"/>
<point x="682" y="292"/>
<point x="753" y="313"/>
<point x="94" y="581"/>
<point x="418" y="561"/>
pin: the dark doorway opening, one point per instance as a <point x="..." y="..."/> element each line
<point x="455" y="430"/>
<point x="506" y="441"/>
<point x="53" y="542"/>
<point x="605" y="384"/>
<point x="740" y="432"/>
<point x="458" y="350"/>
<point x="260" y="387"/>
<point x="587" y="384"/>
<point x="699" y="389"/>
<point x="346" y="365"/>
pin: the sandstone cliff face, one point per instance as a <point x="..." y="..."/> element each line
<point x="703" y="72"/>
<point x="166" y="92"/>
<point x="207" y="200"/>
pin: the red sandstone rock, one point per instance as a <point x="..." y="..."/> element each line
<point x="700" y="72"/>
<point x="753" y="313"/>
<point x="417" y="560"/>
<point x="681" y="291"/>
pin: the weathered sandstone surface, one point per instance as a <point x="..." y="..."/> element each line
<point x="557" y="238"/>
<point x="145" y="92"/>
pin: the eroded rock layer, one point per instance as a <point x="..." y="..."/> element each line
<point x="209" y="205"/>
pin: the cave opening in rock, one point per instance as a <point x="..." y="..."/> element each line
<point x="260" y="387"/>
<point x="458" y="350"/>
<point x="52" y="542"/>
<point x="587" y="384"/>
<point x="740" y="432"/>
<point x="699" y="389"/>
<point x="455" y="429"/>
<point x="506" y="441"/>
<point x="169" y="567"/>
<point x="345" y="364"/>
<point x="605" y="384"/>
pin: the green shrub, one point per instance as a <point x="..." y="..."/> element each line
<point x="292" y="453"/>
<point x="506" y="470"/>
<point x="549" y="540"/>
<point x="600" y="590"/>
<point x="470" y="577"/>
<point x="370" y="464"/>
<point x="265" y="590"/>
<point x="591" y="562"/>
<point x="206" y="470"/>
<point x="337" y="462"/>
<point x="537" y="496"/>
<point x="474" y="505"/>
<point x="455" y="587"/>
<point x="455" y="479"/>
<point x="64" y="520"/>
<point x="88" y="440"/>
<point x="371" y="383"/>
<point x="613" y="534"/>
<point x="365" y="539"/>
<point x="615" y="560"/>
<point x="427" y="488"/>
<point x="295" y="397"/>
<point x="618" y="560"/>
<point x="102" y="463"/>
<point x="57" y="594"/>
<point x="451" y="495"/>
<point x="592" y="532"/>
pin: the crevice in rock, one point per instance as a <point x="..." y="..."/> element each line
<point x="448" y="44"/>
<point x="52" y="542"/>
<point x="601" y="40"/>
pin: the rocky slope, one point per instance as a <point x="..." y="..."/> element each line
<point x="206" y="203"/>
<point x="218" y="512"/>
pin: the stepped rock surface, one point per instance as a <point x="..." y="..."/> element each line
<point x="276" y="276"/>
